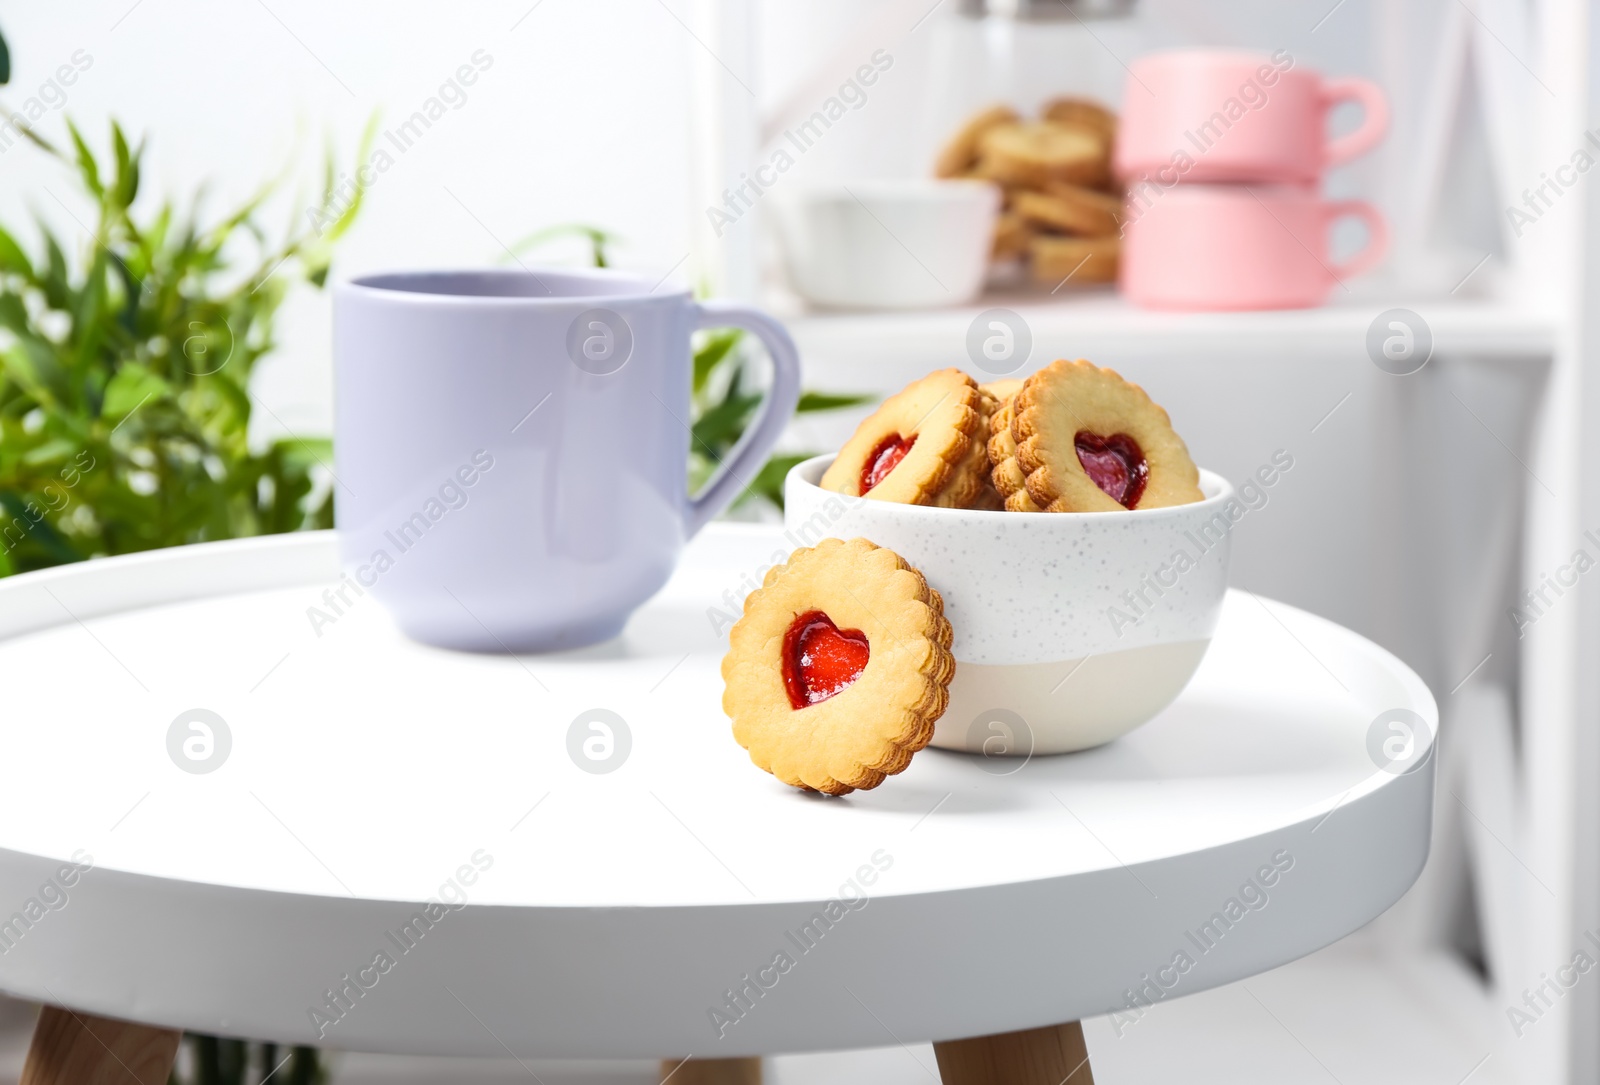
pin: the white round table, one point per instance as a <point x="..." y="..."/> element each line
<point x="610" y="875"/>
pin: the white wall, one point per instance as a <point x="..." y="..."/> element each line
<point x="583" y="116"/>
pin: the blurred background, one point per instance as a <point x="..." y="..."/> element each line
<point x="1420" y="507"/>
<point x="586" y="114"/>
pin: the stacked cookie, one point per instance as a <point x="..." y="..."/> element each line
<point x="925" y="445"/>
<point x="1072" y="437"/>
<point x="1062" y="211"/>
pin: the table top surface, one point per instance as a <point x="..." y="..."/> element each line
<point x="366" y="765"/>
<point x="598" y="914"/>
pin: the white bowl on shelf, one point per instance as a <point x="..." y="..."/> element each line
<point x="908" y="244"/>
<point x="1051" y="654"/>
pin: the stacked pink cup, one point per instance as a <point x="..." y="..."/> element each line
<point x="1223" y="155"/>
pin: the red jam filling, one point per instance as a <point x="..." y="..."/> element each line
<point x="1116" y="464"/>
<point x="820" y="659"/>
<point x="885" y="458"/>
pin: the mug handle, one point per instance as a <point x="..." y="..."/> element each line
<point x="782" y="399"/>
<point x="1374" y="121"/>
<point x="1377" y="246"/>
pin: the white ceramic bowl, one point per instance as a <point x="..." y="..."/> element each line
<point x="1070" y="628"/>
<point x="888" y="244"/>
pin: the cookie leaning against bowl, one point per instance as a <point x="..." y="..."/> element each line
<point x="925" y="445"/>
<point x="839" y="668"/>
<point x="1090" y="441"/>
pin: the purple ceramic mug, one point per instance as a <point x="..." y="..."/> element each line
<point x="511" y="447"/>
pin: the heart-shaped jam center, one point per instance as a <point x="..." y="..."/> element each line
<point x="1116" y="464"/>
<point x="820" y="659"/>
<point x="885" y="458"/>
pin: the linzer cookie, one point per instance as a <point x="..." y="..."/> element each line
<point x="1003" y="389"/>
<point x="986" y="497"/>
<point x="1089" y="441"/>
<point x="1070" y="208"/>
<point x="924" y="446"/>
<point x="1012" y="235"/>
<point x="1084" y="113"/>
<point x="1034" y="153"/>
<point x="839" y="667"/>
<point x="961" y="153"/>
<point x="1078" y="259"/>
<point x="1062" y="210"/>
<point x="1009" y="479"/>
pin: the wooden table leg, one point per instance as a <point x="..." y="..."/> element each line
<point x="1054" y="1055"/>
<point x="80" y="1049"/>
<point x="712" y="1071"/>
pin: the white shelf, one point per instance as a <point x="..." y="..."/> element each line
<point x="895" y="347"/>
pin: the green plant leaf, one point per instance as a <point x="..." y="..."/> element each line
<point x="131" y="387"/>
<point x="87" y="344"/>
<point x="597" y="238"/>
<point x="830" y="401"/>
<point x="41" y="544"/>
<point x="57" y="290"/>
<point x="32" y="363"/>
<point x="5" y="61"/>
<point x="720" y="427"/>
<point x="52" y="451"/>
<point x="14" y="314"/>
<point x="347" y="217"/>
<point x="125" y="186"/>
<point x="12" y="258"/>
<point x="88" y="168"/>
<point x="304" y="453"/>
<point x="235" y="399"/>
<point x="768" y="483"/>
<point x="712" y="353"/>
<point x="87" y="326"/>
<point x="128" y="315"/>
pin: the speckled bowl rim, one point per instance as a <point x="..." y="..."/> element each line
<point x="1219" y="489"/>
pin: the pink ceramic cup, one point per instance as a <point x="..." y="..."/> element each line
<point x="1238" y="247"/>
<point x="1205" y="115"/>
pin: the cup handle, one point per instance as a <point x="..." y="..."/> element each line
<point x="1374" y="121"/>
<point x="1377" y="246"/>
<point x="782" y="399"/>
